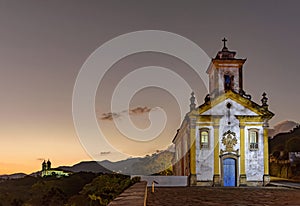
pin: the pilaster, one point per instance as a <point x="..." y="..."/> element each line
<point x="243" y="177"/>
<point x="193" y="178"/>
<point x="216" y="177"/>
<point x="266" y="177"/>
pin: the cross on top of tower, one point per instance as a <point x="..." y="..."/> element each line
<point x="225" y="53"/>
<point x="224" y="42"/>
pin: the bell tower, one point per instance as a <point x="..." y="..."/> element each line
<point x="225" y="73"/>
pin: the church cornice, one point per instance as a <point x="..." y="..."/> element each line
<point x="225" y="63"/>
<point x="247" y="118"/>
<point x="249" y="104"/>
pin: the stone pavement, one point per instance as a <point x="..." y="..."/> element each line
<point x="250" y="196"/>
<point x="288" y="184"/>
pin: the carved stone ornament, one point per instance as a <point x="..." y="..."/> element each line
<point x="229" y="141"/>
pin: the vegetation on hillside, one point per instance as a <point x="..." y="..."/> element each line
<point x="79" y="189"/>
<point x="158" y="163"/>
<point x="281" y="148"/>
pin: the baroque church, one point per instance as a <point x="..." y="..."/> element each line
<point x="224" y="141"/>
<point x="48" y="171"/>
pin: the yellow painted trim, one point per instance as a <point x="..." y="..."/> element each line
<point x="208" y="118"/>
<point x="251" y="125"/>
<point x="193" y="150"/>
<point x="242" y="149"/>
<point x="266" y="151"/>
<point x="204" y="118"/>
<point x="204" y="123"/>
<point x="216" y="151"/>
<point x="245" y="119"/>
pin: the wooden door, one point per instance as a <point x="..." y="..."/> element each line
<point x="229" y="176"/>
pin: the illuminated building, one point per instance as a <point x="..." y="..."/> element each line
<point x="224" y="141"/>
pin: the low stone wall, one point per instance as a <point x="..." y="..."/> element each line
<point x="281" y="169"/>
<point x="165" y="181"/>
<point x="136" y="195"/>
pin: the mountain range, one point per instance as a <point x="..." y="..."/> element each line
<point x="147" y="165"/>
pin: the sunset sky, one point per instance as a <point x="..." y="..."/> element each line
<point x="43" y="45"/>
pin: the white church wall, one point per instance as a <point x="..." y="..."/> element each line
<point x="254" y="158"/>
<point x="205" y="156"/>
<point x="233" y="127"/>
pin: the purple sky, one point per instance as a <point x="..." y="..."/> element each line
<point x="43" y="45"/>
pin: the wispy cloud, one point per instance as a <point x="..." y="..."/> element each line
<point x="110" y="116"/>
<point x="134" y="111"/>
<point x="105" y="153"/>
<point x="139" y="110"/>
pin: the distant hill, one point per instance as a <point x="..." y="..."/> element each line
<point x="147" y="165"/>
<point x="288" y="141"/>
<point x="282" y="127"/>
<point x="123" y="166"/>
<point x="13" y="176"/>
<point x="86" y="166"/>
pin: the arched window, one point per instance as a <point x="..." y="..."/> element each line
<point x="253" y="139"/>
<point x="204" y="138"/>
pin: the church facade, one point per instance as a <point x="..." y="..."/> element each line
<point x="224" y="141"/>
